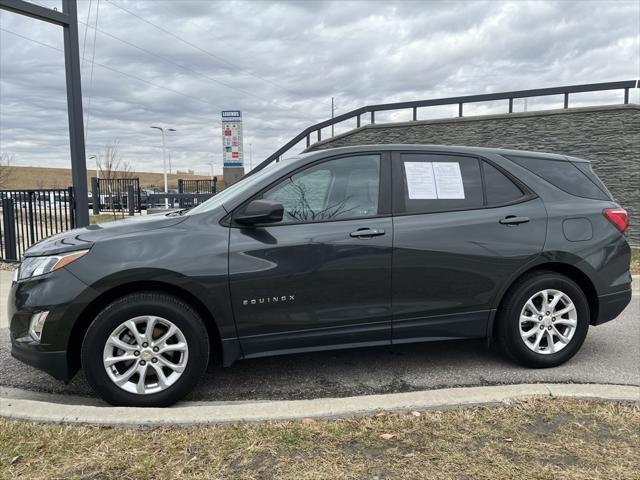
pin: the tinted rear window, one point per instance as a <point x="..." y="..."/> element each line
<point x="564" y="175"/>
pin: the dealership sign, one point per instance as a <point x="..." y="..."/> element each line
<point x="232" y="139"/>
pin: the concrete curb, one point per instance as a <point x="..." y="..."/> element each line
<point x="192" y="413"/>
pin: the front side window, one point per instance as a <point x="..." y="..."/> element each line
<point x="334" y="190"/>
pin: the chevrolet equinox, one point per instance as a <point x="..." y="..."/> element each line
<point x="341" y="248"/>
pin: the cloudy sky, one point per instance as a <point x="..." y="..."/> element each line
<point x="178" y="63"/>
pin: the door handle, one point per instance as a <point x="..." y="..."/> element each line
<point x="513" y="220"/>
<point x="367" y="232"/>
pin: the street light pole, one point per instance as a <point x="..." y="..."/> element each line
<point x="164" y="163"/>
<point x="332" y="110"/>
<point x="95" y="157"/>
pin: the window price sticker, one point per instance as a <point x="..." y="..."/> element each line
<point x="434" y="180"/>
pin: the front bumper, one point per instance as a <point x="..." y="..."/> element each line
<point x="65" y="297"/>
<point x="55" y="364"/>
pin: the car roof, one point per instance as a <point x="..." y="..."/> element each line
<point x="436" y="148"/>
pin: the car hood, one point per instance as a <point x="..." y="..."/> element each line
<point x="82" y="238"/>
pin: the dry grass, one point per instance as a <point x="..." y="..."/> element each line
<point x="107" y="217"/>
<point x="635" y="261"/>
<point x="540" y="438"/>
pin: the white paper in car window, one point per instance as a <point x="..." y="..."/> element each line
<point x="420" y="180"/>
<point x="448" y="180"/>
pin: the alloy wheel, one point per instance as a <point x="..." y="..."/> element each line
<point x="548" y="321"/>
<point x="145" y="354"/>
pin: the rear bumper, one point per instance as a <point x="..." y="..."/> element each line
<point x="611" y="305"/>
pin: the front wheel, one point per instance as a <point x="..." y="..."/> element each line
<point x="543" y="320"/>
<point x="145" y="350"/>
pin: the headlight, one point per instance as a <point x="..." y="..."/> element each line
<point x="34" y="266"/>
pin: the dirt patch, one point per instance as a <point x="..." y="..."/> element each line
<point x="8" y="266"/>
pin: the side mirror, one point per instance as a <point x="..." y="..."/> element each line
<point x="260" y="211"/>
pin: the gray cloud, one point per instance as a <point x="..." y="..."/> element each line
<point x="280" y="62"/>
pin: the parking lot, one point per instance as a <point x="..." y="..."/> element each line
<point x="611" y="354"/>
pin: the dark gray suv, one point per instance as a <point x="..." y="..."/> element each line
<point x="342" y="248"/>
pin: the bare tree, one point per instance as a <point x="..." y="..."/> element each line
<point x="302" y="210"/>
<point x="111" y="164"/>
<point x="113" y="167"/>
<point x="6" y="170"/>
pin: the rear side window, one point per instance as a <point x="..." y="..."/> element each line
<point x="562" y="174"/>
<point x="500" y="189"/>
<point x="437" y="183"/>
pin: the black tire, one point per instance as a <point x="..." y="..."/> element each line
<point x="138" y="304"/>
<point x="508" y="319"/>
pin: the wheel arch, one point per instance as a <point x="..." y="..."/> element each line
<point x="569" y="271"/>
<point x="106" y="297"/>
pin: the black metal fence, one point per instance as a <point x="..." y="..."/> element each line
<point x="197" y="186"/>
<point x="177" y="200"/>
<point x="565" y="91"/>
<point x="29" y="216"/>
<point x="114" y="195"/>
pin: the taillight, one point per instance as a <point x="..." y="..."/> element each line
<point x="618" y="216"/>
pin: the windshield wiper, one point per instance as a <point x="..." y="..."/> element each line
<point x="178" y="212"/>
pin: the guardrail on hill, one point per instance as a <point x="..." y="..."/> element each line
<point x="625" y="86"/>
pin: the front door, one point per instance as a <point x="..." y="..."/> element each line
<point x="322" y="276"/>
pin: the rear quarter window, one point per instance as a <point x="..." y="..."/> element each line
<point x="499" y="188"/>
<point x="562" y="174"/>
<point x="585" y="167"/>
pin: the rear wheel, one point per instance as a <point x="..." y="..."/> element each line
<point x="146" y="349"/>
<point x="543" y="320"/>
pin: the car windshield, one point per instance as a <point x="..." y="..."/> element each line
<point x="237" y="188"/>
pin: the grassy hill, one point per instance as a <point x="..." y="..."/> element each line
<point x="44" y="177"/>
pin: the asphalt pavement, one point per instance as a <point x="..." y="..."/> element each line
<point x="610" y="354"/>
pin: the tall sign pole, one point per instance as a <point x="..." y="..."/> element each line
<point x="232" y="149"/>
<point x="68" y="19"/>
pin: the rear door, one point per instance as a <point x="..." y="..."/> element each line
<point x="322" y="276"/>
<point x="462" y="228"/>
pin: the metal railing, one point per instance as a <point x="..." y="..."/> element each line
<point x="29" y="216"/>
<point x="625" y="86"/>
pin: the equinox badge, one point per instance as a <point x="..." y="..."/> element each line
<point x="267" y="300"/>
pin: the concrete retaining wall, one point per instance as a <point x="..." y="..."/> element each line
<point x="608" y="136"/>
